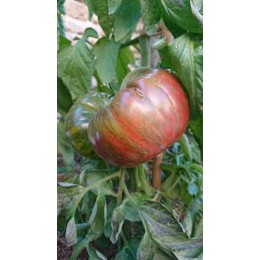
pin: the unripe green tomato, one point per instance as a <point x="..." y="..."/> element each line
<point x="79" y="117"/>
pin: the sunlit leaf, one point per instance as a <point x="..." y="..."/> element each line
<point x="183" y="13"/>
<point x="148" y="250"/>
<point x="165" y="230"/>
<point x="106" y="187"/>
<point x="106" y="52"/>
<point x="117" y="223"/>
<point x="71" y="233"/>
<point x="94" y="254"/>
<point x="151" y="14"/>
<point x="76" y="65"/>
<point x="99" y="216"/>
<point x="185" y="146"/>
<point x="113" y="6"/>
<point x="125" y="57"/>
<point x="101" y="9"/>
<point x="126" y="18"/>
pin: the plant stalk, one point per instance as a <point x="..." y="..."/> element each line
<point x="145" y="50"/>
<point x="156" y="172"/>
<point x="132" y="42"/>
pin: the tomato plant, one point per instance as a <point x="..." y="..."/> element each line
<point x="130" y="132"/>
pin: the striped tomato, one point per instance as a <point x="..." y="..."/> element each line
<point x="143" y="119"/>
<point x="78" y="120"/>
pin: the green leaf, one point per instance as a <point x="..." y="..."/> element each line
<point x="94" y="254"/>
<point x="196" y="125"/>
<point x="185" y="146"/>
<point x="76" y="65"/>
<point x="185" y="57"/>
<point x="106" y="52"/>
<point x="187" y="223"/>
<point x="195" y="150"/>
<point x="113" y="5"/>
<point x="117" y="223"/>
<point x="130" y="212"/>
<point x="90" y="8"/>
<point x="110" y="209"/>
<point x="198" y="232"/>
<point x="66" y="196"/>
<point x="64" y="147"/>
<point x="175" y="30"/>
<point x="98" y="216"/>
<point x="196" y="168"/>
<point x="165" y="230"/>
<point x="101" y="9"/>
<point x="75" y="204"/>
<point x="62" y="42"/>
<point x="60" y="6"/>
<point x="106" y="187"/>
<point x="128" y="252"/>
<point x="125" y="57"/>
<point x="126" y="18"/>
<point x="64" y="99"/>
<point x="184" y="13"/>
<point x="97" y="222"/>
<point x="60" y="25"/>
<point x="151" y="15"/>
<point x="126" y="211"/>
<point x="71" y="233"/>
<point x="66" y="184"/>
<point x="148" y="250"/>
<point x="79" y="247"/>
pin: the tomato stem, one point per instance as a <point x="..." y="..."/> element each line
<point x="156" y="172"/>
<point x="145" y="45"/>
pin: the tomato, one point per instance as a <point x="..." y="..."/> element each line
<point x="143" y="119"/>
<point x="78" y="119"/>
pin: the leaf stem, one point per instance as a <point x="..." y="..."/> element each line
<point x="93" y="185"/>
<point x="146" y="186"/>
<point x="138" y="184"/>
<point x="120" y="186"/>
<point x="124" y="237"/>
<point x="156" y="197"/>
<point x="126" y="192"/>
<point x="132" y="42"/>
<point x="88" y="188"/>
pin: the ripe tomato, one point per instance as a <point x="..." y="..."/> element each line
<point x="143" y="119"/>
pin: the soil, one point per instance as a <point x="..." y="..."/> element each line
<point x="63" y="252"/>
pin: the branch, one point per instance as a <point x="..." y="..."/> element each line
<point x="132" y="42"/>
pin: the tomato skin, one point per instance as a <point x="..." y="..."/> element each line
<point x="143" y="119"/>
